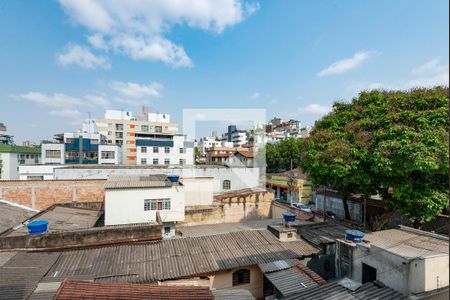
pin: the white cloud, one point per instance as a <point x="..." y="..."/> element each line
<point x="316" y="109"/>
<point x="83" y="57"/>
<point x="54" y="100"/>
<point x="135" y="90"/>
<point x="137" y="28"/>
<point x="97" y="100"/>
<point x="66" y="113"/>
<point x="97" y="41"/>
<point x="347" y="64"/>
<point x="255" y="96"/>
<point x="431" y="67"/>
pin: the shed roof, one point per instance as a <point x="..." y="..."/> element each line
<point x="177" y="258"/>
<point x="72" y="289"/>
<point x="409" y="243"/>
<point x="11" y="215"/>
<point x="335" y="290"/>
<point x="232" y="294"/>
<point x="138" y="181"/>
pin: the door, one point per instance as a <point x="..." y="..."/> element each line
<point x="369" y="273"/>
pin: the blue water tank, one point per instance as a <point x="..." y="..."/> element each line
<point x="37" y="227"/>
<point x="289" y="217"/>
<point x="173" y="178"/>
<point x="355" y="236"/>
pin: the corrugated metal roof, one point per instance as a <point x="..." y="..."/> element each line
<point x="233" y="294"/>
<point x="409" y="243"/>
<point x="177" y="258"/>
<point x="368" y="291"/>
<point x="290" y="280"/>
<point x="278" y="265"/>
<point x="322" y="233"/>
<point x="71" y="289"/>
<point x="138" y="181"/>
<point x="20" y="275"/>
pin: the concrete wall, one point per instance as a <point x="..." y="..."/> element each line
<point x="93" y="236"/>
<point x="10" y="166"/>
<point x="198" y="191"/>
<point x="336" y="206"/>
<point x="241" y="178"/>
<point x="436" y="272"/>
<point x="231" y="209"/>
<point x="47" y="160"/>
<point x="125" y="206"/>
<point x="110" y="148"/>
<point x="40" y="195"/>
<point x="224" y="280"/>
<point x="27" y="172"/>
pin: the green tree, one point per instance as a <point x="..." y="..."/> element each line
<point x="279" y="155"/>
<point x="391" y="142"/>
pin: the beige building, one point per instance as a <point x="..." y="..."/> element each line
<point x="121" y="128"/>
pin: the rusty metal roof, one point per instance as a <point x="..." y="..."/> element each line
<point x="71" y="289"/>
<point x="177" y="258"/>
<point x="138" y="181"/>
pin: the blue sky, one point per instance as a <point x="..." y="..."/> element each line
<point x="60" y="60"/>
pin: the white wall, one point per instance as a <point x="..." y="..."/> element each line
<point x="118" y="115"/>
<point x="30" y="171"/>
<point x="117" y="154"/>
<point x="125" y="206"/>
<point x="174" y="155"/>
<point x="160" y="118"/>
<point x="198" y="191"/>
<point x="10" y="166"/>
<point x="46" y="160"/>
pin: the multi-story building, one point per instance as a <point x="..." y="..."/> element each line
<point x="121" y="128"/>
<point x="235" y="136"/>
<point x="163" y="149"/>
<point x="80" y="148"/>
<point x="205" y="143"/>
<point x="12" y="156"/>
<point x="5" y="139"/>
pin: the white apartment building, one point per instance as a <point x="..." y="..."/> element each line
<point x="137" y="199"/>
<point x="80" y="147"/>
<point x="121" y="128"/>
<point x="12" y="156"/>
<point x="164" y="150"/>
<point x="210" y="142"/>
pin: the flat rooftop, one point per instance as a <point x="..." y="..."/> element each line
<point x="139" y="181"/>
<point x="61" y="218"/>
<point x="409" y="243"/>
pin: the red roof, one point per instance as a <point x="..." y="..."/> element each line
<point x="247" y="154"/>
<point x="74" y="289"/>
<point x="314" y="276"/>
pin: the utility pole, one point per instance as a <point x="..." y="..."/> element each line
<point x="291" y="184"/>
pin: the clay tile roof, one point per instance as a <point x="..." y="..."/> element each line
<point x="314" y="276"/>
<point x="73" y="289"/>
<point x="247" y="154"/>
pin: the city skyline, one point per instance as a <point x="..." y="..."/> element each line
<point x="229" y="54"/>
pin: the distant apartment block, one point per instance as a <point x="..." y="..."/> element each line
<point x="5" y="139"/>
<point x="121" y="128"/>
<point x="80" y="148"/>
<point x="211" y="141"/>
<point x="164" y="149"/>
<point x="12" y="156"/>
<point x="235" y="136"/>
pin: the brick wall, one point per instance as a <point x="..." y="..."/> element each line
<point x="40" y="194"/>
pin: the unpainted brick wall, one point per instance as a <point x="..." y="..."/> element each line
<point x="40" y="194"/>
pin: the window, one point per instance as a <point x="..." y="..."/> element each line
<point x="181" y="150"/>
<point x="166" y="149"/>
<point x="155" y="149"/>
<point x="226" y="184"/>
<point x="157" y="204"/>
<point x="119" y="126"/>
<point x="241" y="276"/>
<point x="158" y="129"/>
<point x="119" y="135"/>
<point x="143" y="161"/>
<point x="119" y="142"/>
<point x="155" y="161"/>
<point x="167" y="230"/>
<point x="182" y="162"/>
<point x="143" y="149"/>
<point x="167" y="161"/>
<point x="109" y="132"/>
<point x="52" y="153"/>
<point x="144" y="128"/>
<point x="108" y="154"/>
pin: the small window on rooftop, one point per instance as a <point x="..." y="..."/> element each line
<point x="241" y="276"/>
<point x="226" y="184"/>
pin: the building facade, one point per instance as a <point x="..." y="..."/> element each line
<point x="164" y="149"/>
<point x="121" y="128"/>
<point x="11" y="157"/>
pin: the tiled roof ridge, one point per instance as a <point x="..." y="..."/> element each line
<point x="314" y="276"/>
